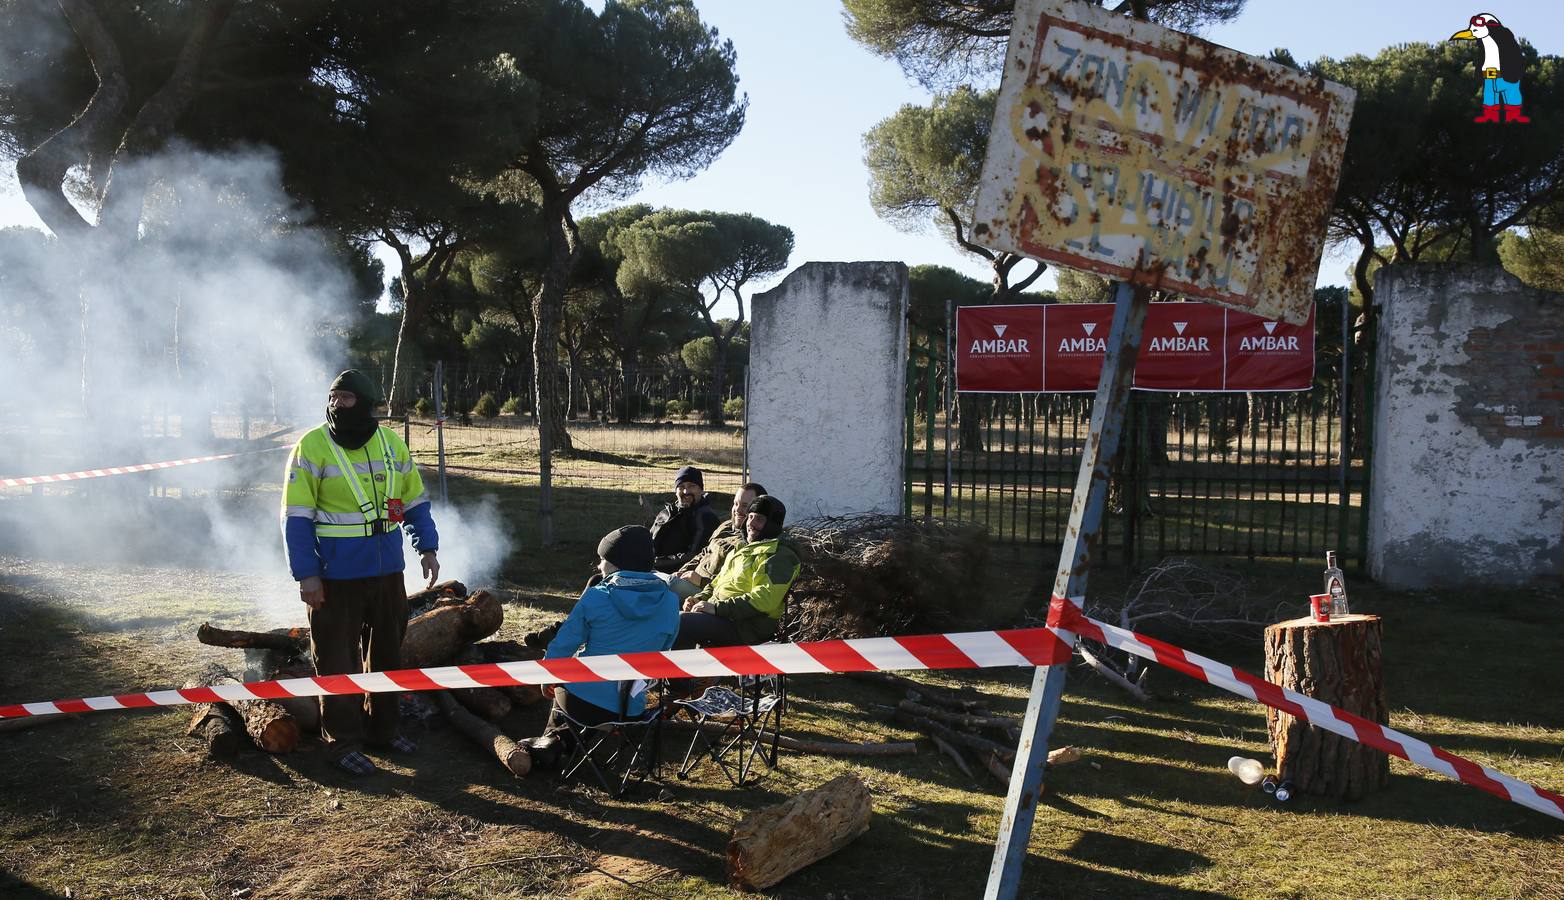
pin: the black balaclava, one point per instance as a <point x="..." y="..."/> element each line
<point x="351" y="428"/>
<point x="775" y="514"/>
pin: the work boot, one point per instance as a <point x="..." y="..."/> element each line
<point x="1490" y="114"/>
<point x="544" y="750"/>
<point x="1514" y="114"/>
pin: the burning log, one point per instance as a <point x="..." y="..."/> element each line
<point x="289" y="641"/>
<point x="510" y="754"/>
<point x="419" y="602"/>
<point x="218" y="726"/>
<point x="269" y="725"/>
<point x="773" y="843"/>
<point x="442" y="633"/>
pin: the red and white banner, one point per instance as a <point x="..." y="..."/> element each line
<point x="968" y="650"/>
<point x="1196" y="347"/>
<point x="28" y="480"/>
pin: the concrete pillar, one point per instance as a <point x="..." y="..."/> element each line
<point x="828" y="358"/>
<point x="1467" y="486"/>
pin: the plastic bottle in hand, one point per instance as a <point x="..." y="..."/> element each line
<point x="1249" y="771"/>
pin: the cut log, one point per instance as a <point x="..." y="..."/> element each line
<point x="419" y="602"/>
<point x="217" y="726"/>
<point x="1335" y="662"/>
<point x="510" y="754"/>
<point x="291" y="641"/>
<point x="269" y="725"/>
<point x="773" y="843"/>
<point x="442" y="633"/>
<point x="485" y="702"/>
<point x="798" y="745"/>
<point x="507" y="651"/>
<point x="305" y="712"/>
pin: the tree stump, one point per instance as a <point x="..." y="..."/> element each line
<point x="1335" y="662"/>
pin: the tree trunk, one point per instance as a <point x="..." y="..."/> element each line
<point x="627" y="400"/>
<point x="547" y="305"/>
<point x="412" y="297"/>
<point x="969" y="437"/>
<point x="1335" y="662"/>
<point x="270" y="725"/>
<point x="443" y="632"/>
<point x="719" y="381"/>
<point x="508" y="752"/>
<point x="773" y="843"/>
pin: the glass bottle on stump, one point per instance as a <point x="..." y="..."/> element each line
<point x="1335" y="585"/>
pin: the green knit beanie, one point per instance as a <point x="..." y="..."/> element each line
<point x="359" y="383"/>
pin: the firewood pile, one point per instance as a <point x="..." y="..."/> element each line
<point x="960" y="726"/>
<point x="446" y="625"/>
<point x="871" y="575"/>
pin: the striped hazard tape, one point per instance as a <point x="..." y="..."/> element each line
<point x="124" y="470"/>
<point x="1067" y="616"/>
<point x="967" y="650"/>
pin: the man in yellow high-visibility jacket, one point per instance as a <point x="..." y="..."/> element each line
<point x="351" y="488"/>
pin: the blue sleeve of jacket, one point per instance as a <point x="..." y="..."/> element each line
<point x="298" y="535"/>
<point x="572" y="634"/>
<point x="419" y="522"/>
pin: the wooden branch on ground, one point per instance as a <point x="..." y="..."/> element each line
<point x="489" y="703"/>
<point x="1113" y="676"/>
<point x="953" y="753"/>
<point x="773" y="843"/>
<point x="962" y="738"/>
<point x="821" y="748"/>
<point x="1009" y="726"/>
<point x="510" y="754"/>
<point x="292" y="641"/>
<point x="926" y="692"/>
<point x="27" y="722"/>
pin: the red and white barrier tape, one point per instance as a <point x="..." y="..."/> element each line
<point x="968" y="650"/>
<point x="125" y="470"/>
<point x="1066" y="615"/>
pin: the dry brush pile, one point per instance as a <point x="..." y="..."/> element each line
<point x="871" y="575"/>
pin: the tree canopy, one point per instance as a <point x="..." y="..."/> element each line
<point x="944" y="43"/>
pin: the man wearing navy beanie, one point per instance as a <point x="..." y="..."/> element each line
<point x="683" y="525"/>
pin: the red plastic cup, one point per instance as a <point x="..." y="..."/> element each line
<point x="1320" y="603"/>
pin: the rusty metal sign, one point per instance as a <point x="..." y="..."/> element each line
<point x="1150" y="156"/>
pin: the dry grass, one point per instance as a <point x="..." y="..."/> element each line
<point x="121" y="805"/>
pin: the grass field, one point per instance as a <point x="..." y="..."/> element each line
<point x="121" y="804"/>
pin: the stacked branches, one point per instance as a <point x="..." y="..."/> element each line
<point x="870" y="575"/>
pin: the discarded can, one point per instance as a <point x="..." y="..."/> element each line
<point x="1320" y="603"/>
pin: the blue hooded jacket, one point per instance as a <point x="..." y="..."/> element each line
<point x="627" y="612"/>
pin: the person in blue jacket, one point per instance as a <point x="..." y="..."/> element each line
<point x="630" y="611"/>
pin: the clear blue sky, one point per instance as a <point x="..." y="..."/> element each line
<point x="813" y="93"/>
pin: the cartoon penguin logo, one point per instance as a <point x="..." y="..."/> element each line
<point x="1502" y="66"/>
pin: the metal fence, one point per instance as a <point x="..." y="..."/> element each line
<point x="1251" y="475"/>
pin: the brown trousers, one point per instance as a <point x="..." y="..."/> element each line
<point x="359" y="629"/>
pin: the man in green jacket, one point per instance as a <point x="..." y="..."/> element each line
<point x="698" y="572"/>
<point x="744" y="603"/>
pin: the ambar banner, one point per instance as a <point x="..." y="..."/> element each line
<point x="1198" y="347"/>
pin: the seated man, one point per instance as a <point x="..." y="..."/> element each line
<point x="629" y="611"/>
<point x="699" y="572"/>
<point x="744" y="603"/>
<point x="684" y="524"/>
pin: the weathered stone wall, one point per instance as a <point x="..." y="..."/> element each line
<point x="1467" y="484"/>
<point x="828" y="351"/>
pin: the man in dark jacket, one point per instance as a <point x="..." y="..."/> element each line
<point x="704" y="566"/>
<point x="684" y="525"/>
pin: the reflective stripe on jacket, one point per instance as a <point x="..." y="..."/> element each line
<point x="752" y="587"/>
<point x="337" y="506"/>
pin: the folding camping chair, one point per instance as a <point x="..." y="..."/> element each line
<point x="735" y="726"/>
<point x="615" y="755"/>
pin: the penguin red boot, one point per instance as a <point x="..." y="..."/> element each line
<point x="1490" y="114"/>
<point x="1513" y="114"/>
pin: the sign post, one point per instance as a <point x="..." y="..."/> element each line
<point x="1163" y="162"/>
